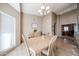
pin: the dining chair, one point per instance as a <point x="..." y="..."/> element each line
<point x="30" y="51"/>
<point x="50" y="50"/>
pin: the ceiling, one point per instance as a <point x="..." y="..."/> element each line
<point x="58" y="8"/>
<point x="15" y="5"/>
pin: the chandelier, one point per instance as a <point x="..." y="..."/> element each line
<point x="44" y="10"/>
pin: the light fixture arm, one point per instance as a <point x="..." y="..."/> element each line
<point x="44" y="9"/>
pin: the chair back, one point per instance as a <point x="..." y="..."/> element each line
<point x="51" y="45"/>
<point x="26" y="44"/>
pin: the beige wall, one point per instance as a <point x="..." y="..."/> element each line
<point x="58" y="26"/>
<point x="44" y="23"/>
<point x="67" y="18"/>
<point x="28" y="20"/>
<point x="6" y="8"/>
<point x="48" y="22"/>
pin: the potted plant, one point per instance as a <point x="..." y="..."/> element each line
<point x="35" y="30"/>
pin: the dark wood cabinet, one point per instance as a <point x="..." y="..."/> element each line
<point x="68" y="30"/>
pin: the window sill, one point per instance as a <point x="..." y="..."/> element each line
<point x="6" y="51"/>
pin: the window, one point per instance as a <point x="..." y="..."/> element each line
<point x="66" y="28"/>
<point x="7" y="31"/>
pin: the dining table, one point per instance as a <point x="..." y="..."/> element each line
<point x="39" y="43"/>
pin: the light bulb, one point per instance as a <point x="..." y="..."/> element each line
<point x="47" y="8"/>
<point x="39" y="10"/>
<point x="48" y="11"/>
<point x="41" y="13"/>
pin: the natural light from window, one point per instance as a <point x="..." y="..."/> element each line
<point x="7" y="31"/>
